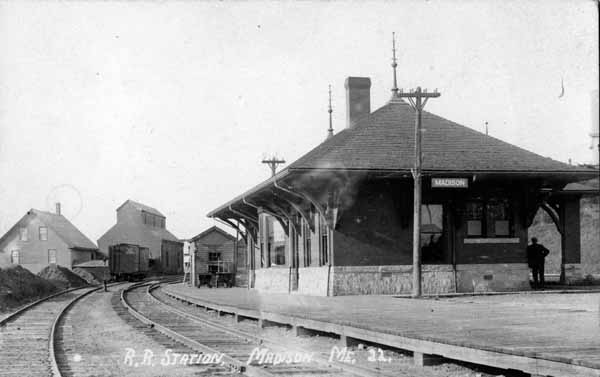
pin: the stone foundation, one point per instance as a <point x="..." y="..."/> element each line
<point x="573" y="273"/>
<point x="272" y="280"/>
<point x="390" y="280"/>
<point x="313" y="280"/>
<point x="492" y="277"/>
<point x="356" y="280"/>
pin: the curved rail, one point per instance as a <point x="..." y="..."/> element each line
<point x="51" y="323"/>
<point x="25" y="308"/>
<point x="52" y="356"/>
<point x="317" y="366"/>
<point x="352" y="369"/>
<point x="231" y="362"/>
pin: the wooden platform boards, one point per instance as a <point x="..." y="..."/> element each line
<point x="541" y="334"/>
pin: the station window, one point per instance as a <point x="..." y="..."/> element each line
<point x="43" y="233"/>
<point x="488" y="218"/>
<point x="277" y="241"/>
<point x="15" y="257"/>
<point x="498" y="218"/>
<point x="23" y="234"/>
<point x="279" y="256"/>
<point x="213" y="257"/>
<point x="474" y="218"/>
<point x="52" y="256"/>
<point x="307" y="243"/>
<point x="324" y="231"/>
<point x="432" y="232"/>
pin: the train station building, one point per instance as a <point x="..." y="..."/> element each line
<point x="345" y="209"/>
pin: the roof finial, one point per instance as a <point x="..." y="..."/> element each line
<point x="330" y="130"/>
<point x="394" y="65"/>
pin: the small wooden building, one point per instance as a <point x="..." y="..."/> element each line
<point x="142" y="225"/>
<point x="218" y="252"/>
<point x="42" y="238"/>
<point x="346" y="208"/>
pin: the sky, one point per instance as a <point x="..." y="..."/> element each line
<point x="174" y="104"/>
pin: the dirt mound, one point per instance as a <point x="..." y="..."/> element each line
<point x="19" y="286"/>
<point x="87" y="276"/>
<point x="62" y="277"/>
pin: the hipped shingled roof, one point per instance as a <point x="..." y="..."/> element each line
<point x="384" y="140"/>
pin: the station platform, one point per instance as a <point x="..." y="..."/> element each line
<point x="549" y="334"/>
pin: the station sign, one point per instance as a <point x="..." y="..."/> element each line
<point x="450" y="182"/>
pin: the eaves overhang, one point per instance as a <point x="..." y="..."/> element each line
<point x="556" y="177"/>
<point x="239" y="199"/>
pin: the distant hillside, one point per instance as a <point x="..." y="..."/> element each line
<point x="543" y="228"/>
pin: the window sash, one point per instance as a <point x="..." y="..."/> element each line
<point x="306" y="235"/>
<point x="15" y="257"/>
<point x="23" y="234"/>
<point x="43" y="233"/>
<point x="491" y="217"/>
<point x="52" y="256"/>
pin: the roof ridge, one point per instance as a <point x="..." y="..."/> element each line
<point x="212" y="228"/>
<point x="142" y="207"/>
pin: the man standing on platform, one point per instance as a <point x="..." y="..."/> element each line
<point x="535" y="258"/>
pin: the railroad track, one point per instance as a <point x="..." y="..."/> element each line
<point x="92" y="338"/>
<point x="26" y="336"/>
<point x="237" y="347"/>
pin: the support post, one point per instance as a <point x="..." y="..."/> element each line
<point x="421" y="360"/>
<point x="192" y="253"/>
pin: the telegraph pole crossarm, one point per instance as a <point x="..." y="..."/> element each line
<point x="272" y="163"/>
<point x="418" y="99"/>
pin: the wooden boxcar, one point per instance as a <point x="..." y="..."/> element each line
<point x="128" y="261"/>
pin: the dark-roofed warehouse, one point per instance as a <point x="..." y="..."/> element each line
<point x="346" y="208"/>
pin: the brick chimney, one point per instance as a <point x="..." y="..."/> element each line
<point x="358" y="99"/>
<point x="58" y="208"/>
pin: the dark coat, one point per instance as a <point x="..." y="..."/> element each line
<point x="536" y="254"/>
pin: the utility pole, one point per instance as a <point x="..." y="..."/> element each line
<point x="330" y="110"/>
<point x="273" y="162"/>
<point x="417" y="98"/>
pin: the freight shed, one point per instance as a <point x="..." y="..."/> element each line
<point x="346" y="208"/>
<point x="218" y="252"/>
